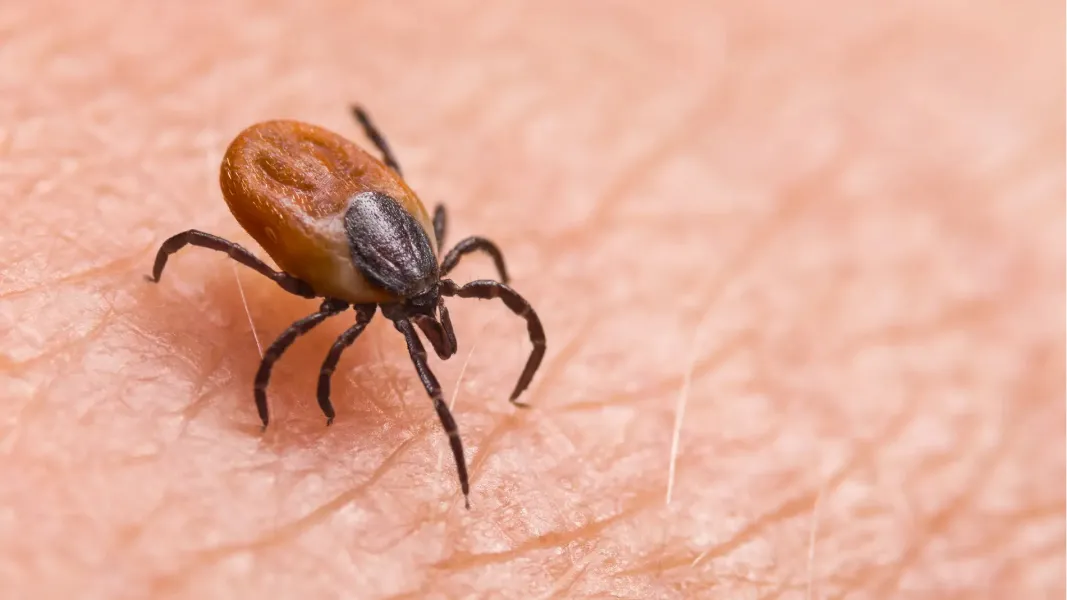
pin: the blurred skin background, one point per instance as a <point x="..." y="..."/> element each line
<point x="801" y="269"/>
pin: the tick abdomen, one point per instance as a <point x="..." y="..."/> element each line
<point x="290" y="185"/>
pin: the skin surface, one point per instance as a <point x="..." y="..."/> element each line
<point x="832" y="233"/>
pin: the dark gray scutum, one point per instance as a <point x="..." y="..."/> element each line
<point x="388" y="245"/>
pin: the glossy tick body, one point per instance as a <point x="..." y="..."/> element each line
<point x="344" y="226"/>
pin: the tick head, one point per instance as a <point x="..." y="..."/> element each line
<point x="424" y="303"/>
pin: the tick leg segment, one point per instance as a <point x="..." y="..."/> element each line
<point x="235" y="251"/>
<point x="364" y="314"/>
<point x="474" y="244"/>
<point x="328" y="308"/>
<point x="485" y="289"/>
<point x="376" y="136"/>
<point x="440" y="220"/>
<point x="418" y="357"/>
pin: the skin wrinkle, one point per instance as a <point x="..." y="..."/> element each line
<point x="727" y="349"/>
<point x="941" y="519"/>
<point x="201" y="398"/>
<point x="658" y="152"/>
<point x="547" y="541"/>
<point x="756" y="242"/>
<point x="863" y="457"/>
<point x="116" y="266"/>
<point x="34" y="403"/>
<point x="963" y="500"/>
<point x="9" y="367"/>
<point x="826" y="333"/>
<point x="957" y="317"/>
<point x="288" y="531"/>
<point x="811" y="546"/>
<point x="576" y="572"/>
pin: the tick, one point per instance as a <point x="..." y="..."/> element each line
<point x="344" y="226"/>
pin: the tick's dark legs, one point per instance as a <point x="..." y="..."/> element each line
<point x="329" y="308"/>
<point x="485" y="290"/>
<point x="418" y="356"/>
<point x="464" y="247"/>
<point x="440" y="219"/>
<point x="240" y="254"/>
<point x="376" y="136"/>
<point x="474" y="244"/>
<point x="364" y="314"/>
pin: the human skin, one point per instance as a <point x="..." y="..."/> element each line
<point x="801" y="267"/>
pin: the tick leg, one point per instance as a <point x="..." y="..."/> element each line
<point x="486" y="290"/>
<point x="329" y="308"/>
<point x="440" y="219"/>
<point x="376" y="136"/>
<point x="474" y="244"/>
<point x="235" y="251"/>
<point x="418" y="357"/>
<point x="364" y="313"/>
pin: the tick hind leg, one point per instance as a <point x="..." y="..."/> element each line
<point x="235" y="251"/>
<point x="376" y="137"/>
<point x="433" y="388"/>
<point x="328" y="308"/>
<point x="364" y="314"/>
<point x="486" y="290"/>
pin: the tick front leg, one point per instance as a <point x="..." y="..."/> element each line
<point x="486" y="290"/>
<point x="474" y="244"/>
<point x="328" y="308"/>
<point x="433" y="388"/>
<point x="377" y="138"/>
<point x="364" y="314"/>
<point x="235" y="251"/>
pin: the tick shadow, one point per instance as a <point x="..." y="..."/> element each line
<point x="202" y="321"/>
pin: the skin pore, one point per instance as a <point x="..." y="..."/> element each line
<point x="801" y="269"/>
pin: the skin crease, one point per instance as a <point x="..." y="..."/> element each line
<point x="835" y="231"/>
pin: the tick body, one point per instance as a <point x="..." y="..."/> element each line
<point x="344" y="226"/>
